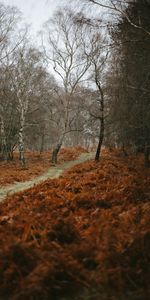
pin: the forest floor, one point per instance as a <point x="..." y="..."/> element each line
<point x="84" y="235"/>
<point x="36" y="164"/>
<point x="52" y="172"/>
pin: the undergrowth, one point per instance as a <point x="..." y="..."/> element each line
<point x="83" y="236"/>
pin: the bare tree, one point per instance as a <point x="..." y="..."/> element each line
<point x="11" y="34"/>
<point x="39" y="129"/>
<point x="98" y="58"/>
<point x="10" y="39"/>
<point x="23" y="79"/>
<point x="67" y="56"/>
<point x="117" y="8"/>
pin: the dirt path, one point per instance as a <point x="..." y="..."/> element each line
<point x="53" y="172"/>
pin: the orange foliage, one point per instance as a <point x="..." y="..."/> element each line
<point x="89" y="228"/>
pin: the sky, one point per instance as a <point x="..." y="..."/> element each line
<point x="35" y="12"/>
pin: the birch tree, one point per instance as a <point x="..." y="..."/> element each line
<point x="98" y="69"/>
<point x="66" y="55"/>
<point x="23" y="81"/>
<point x="117" y="9"/>
<point x="98" y="57"/>
<point x="9" y="17"/>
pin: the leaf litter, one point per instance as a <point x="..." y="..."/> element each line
<point x="88" y="229"/>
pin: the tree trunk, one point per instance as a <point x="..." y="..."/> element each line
<point x="101" y="137"/>
<point x="42" y="143"/>
<point x="21" y="138"/>
<point x="101" y="107"/>
<point x="3" y="141"/>
<point x="55" y="152"/>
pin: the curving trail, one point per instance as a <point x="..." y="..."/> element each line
<point x="53" y="172"/>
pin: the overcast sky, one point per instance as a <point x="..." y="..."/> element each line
<point x="35" y="12"/>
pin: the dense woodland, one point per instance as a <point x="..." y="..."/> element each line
<point x="85" y="87"/>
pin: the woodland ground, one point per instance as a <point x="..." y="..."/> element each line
<point x="36" y="164"/>
<point x="53" y="172"/>
<point x="85" y="235"/>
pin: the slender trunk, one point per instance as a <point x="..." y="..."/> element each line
<point x="21" y="137"/>
<point x="42" y="143"/>
<point x="55" y="152"/>
<point x="100" y="142"/>
<point x="101" y="118"/>
<point x="3" y="140"/>
<point x="66" y="126"/>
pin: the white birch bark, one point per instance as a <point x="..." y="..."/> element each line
<point x="21" y="135"/>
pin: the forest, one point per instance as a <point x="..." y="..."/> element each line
<point x="75" y="153"/>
